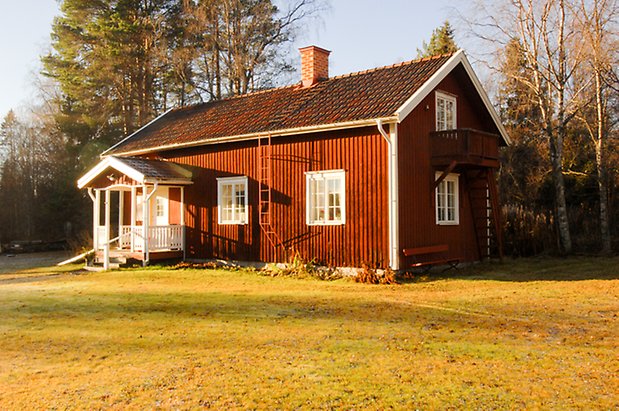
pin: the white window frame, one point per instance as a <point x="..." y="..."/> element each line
<point x="309" y="196"/>
<point x="237" y="217"/>
<point x="440" y="96"/>
<point x="442" y="203"/>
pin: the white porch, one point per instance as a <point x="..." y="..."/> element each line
<point x="138" y="209"/>
<point x="160" y="238"/>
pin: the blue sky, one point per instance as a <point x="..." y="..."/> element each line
<point x="361" y="34"/>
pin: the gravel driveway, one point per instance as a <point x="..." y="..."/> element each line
<point x="13" y="263"/>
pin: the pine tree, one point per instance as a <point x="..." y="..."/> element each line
<point x="441" y="42"/>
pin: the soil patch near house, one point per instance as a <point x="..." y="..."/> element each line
<point x="493" y="336"/>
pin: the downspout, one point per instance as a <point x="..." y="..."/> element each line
<point x="393" y="207"/>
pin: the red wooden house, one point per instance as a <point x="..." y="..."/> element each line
<point x="370" y="167"/>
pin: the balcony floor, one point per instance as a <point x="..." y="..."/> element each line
<point x="465" y="161"/>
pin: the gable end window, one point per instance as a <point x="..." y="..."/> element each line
<point x="325" y="197"/>
<point x="445" y="112"/>
<point x="232" y="200"/>
<point x="447" y="200"/>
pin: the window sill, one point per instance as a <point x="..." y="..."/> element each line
<point x="327" y="223"/>
<point x="447" y="223"/>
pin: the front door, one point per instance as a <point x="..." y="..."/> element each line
<point x="161" y="207"/>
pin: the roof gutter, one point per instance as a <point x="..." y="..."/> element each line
<point x="255" y="136"/>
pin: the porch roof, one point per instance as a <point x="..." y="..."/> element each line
<point x="141" y="170"/>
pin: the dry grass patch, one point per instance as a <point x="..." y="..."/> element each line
<point x="524" y="334"/>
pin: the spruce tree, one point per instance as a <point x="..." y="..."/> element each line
<point x="441" y="42"/>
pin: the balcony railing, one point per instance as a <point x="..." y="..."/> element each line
<point x="466" y="146"/>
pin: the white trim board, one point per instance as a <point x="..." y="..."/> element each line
<point x="118" y="165"/>
<point x="109" y="162"/>
<point x="458" y="58"/>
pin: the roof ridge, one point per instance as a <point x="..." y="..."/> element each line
<point x="403" y="63"/>
<point x="298" y="85"/>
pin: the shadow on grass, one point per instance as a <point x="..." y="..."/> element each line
<point x="530" y="269"/>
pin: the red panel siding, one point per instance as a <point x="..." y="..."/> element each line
<point x="174" y="212"/>
<point x="362" y="153"/>
<point x="126" y="207"/>
<point x="418" y="226"/>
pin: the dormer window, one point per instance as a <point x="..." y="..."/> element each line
<point x="445" y="111"/>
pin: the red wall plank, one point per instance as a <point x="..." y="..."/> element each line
<point x="362" y="153"/>
<point x="418" y="226"/>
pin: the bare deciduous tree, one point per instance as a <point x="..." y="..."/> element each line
<point x="597" y="26"/>
<point x="545" y="32"/>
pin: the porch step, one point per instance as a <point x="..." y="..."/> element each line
<point x="93" y="268"/>
<point x="118" y="260"/>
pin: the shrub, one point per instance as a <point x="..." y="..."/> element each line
<point x="371" y="275"/>
<point x="301" y="268"/>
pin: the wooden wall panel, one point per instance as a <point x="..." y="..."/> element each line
<point x="174" y="207"/>
<point x="416" y="177"/>
<point x="362" y="153"/>
<point x="126" y="207"/>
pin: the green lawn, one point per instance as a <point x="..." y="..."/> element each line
<point x="528" y="334"/>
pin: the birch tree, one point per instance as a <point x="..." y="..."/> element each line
<point x="597" y="26"/>
<point x="545" y="32"/>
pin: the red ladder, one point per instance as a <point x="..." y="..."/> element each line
<point x="265" y="194"/>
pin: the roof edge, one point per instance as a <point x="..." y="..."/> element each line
<point x="254" y="136"/>
<point x="458" y="58"/>
<point x="113" y="162"/>
<point x="136" y="131"/>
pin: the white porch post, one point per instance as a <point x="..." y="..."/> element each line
<point x="182" y="219"/>
<point x="133" y="216"/>
<point x="96" y="219"/>
<point x="106" y="247"/>
<point x="145" y="223"/>
<point x="121" y="216"/>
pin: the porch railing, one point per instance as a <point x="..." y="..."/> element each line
<point x="164" y="237"/>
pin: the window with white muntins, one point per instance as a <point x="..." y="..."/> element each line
<point x="447" y="200"/>
<point x="325" y="197"/>
<point x="445" y="112"/>
<point x="232" y="200"/>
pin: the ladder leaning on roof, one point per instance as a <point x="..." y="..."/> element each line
<point x="265" y="173"/>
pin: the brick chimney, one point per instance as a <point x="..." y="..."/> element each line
<point x="314" y="65"/>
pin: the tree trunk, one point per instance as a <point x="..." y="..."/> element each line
<point x="556" y="144"/>
<point x="556" y="155"/>
<point x="601" y="166"/>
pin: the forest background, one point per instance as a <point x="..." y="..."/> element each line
<point x="114" y="65"/>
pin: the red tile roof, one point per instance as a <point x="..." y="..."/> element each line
<point x="366" y="95"/>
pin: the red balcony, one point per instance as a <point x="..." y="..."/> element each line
<point x="465" y="146"/>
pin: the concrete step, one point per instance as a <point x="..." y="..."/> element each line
<point x="93" y="268"/>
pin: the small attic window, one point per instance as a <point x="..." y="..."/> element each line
<point x="445" y="111"/>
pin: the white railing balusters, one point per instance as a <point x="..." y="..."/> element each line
<point x="169" y="237"/>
